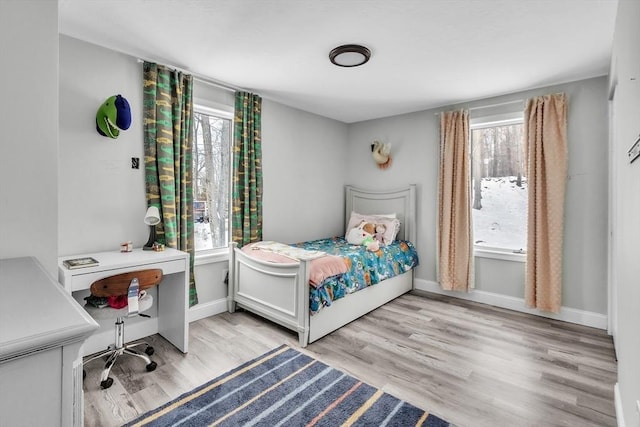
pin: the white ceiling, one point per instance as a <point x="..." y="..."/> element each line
<point x="425" y="53"/>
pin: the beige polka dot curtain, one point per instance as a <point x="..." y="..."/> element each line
<point x="455" y="245"/>
<point x="545" y="130"/>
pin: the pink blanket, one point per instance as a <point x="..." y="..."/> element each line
<point x="321" y="268"/>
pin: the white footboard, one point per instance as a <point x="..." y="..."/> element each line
<point x="278" y="292"/>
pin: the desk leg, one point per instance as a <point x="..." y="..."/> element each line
<point x="173" y="306"/>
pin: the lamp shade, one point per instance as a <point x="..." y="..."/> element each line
<point x="152" y="216"/>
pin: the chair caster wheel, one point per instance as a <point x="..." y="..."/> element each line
<point x="152" y="366"/>
<point x="149" y="350"/>
<point x="106" y="383"/>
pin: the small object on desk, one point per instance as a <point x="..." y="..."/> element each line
<point x="80" y="263"/>
<point x="126" y="246"/>
<point x="151" y="218"/>
<point x="158" y="247"/>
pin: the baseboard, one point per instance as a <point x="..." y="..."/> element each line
<point x="567" y="314"/>
<point x="206" y="309"/>
<point x="618" y="402"/>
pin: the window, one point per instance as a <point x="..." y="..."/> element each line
<point x="499" y="184"/>
<point x="211" y="178"/>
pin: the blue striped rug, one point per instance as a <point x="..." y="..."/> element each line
<point x="286" y="387"/>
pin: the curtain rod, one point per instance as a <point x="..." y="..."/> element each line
<point x="499" y="104"/>
<point x="201" y="78"/>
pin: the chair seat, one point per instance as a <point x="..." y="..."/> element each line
<point x="119" y="284"/>
<point x="144" y="304"/>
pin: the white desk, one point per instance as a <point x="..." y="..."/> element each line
<point x="169" y="314"/>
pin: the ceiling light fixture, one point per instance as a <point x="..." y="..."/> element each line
<point x="349" y="55"/>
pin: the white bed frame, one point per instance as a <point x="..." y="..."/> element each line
<point x="280" y="292"/>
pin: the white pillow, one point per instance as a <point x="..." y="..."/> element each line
<point x="390" y="221"/>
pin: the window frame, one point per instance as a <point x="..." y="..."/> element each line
<point x="219" y="254"/>
<point x="483" y="122"/>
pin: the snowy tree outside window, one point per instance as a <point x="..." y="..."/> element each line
<point x="211" y="178"/>
<point x="499" y="186"/>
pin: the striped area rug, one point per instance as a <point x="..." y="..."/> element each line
<point x="286" y="387"/>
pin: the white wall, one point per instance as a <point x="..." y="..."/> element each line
<point x="415" y="141"/>
<point x="29" y="122"/>
<point x="102" y="200"/>
<point x="626" y="209"/>
<point x="303" y="160"/>
<point x="414" y="151"/>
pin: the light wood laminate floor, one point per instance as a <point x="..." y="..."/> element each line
<point x="469" y="363"/>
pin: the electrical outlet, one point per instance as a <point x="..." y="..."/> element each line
<point x="135" y="163"/>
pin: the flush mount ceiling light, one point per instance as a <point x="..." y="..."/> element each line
<point x="349" y="55"/>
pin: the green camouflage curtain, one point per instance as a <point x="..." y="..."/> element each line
<point x="168" y="134"/>
<point x="247" y="169"/>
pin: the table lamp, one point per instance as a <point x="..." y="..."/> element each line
<point x="151" y="218"/>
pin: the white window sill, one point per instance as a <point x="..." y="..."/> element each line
<point x="211" y="256"/>
<point x="504" y="254"/>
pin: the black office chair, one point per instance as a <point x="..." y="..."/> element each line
<point x="120" y="285"/>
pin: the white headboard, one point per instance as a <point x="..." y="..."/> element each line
<point x="401" y="201"/>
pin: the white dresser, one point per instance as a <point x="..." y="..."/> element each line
<point x="42" y="329"/>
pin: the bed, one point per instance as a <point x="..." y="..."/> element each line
<point x="281" y="292"/>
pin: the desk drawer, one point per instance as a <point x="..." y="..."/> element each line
<point x="81" y="282"/>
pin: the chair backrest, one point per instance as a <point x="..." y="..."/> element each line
<point x="118" y="284"/>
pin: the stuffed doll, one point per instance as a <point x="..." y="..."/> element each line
<point x="356" y="235"/>
<point x="360" y="236"/>
<point x="379" y="233"/>
<point x="368" y="227"/>
<point x="371" y="244"/>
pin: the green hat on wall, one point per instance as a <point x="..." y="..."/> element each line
<point x="113" y="115"/>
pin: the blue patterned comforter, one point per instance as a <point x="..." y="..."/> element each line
<point x="365" y="267"/>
